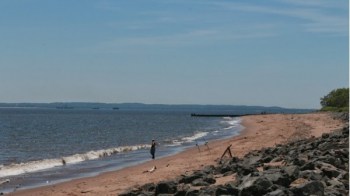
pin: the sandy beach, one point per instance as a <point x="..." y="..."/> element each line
<point x="260" y="131"/>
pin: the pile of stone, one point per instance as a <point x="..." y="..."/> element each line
<point x="342" y="116"/>
<point x="314" y="166"/>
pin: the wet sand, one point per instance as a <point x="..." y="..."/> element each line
<point x="260" y="131"/>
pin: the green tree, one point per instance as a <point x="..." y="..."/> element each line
<point x="336" y="100"/>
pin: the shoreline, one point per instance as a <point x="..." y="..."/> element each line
<point x="260" y="131"/>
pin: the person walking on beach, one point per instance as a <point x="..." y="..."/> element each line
<point x="153" y="149"/>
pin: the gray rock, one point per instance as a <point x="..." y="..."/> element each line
<point x="190" y="178"/>
<point x="334" y="183"/>
<point x="253" y="160"/>
<point x="199" y="182"/>
<point x="277" y="177"/>
<point x="245" y="169"/>
<point x="292" y="171"/>
<point x="231" y="188"/>
<point x="210" y="169"/>
<point x="311" y="174"/>
<point x="222" y="190"/>
<point x="329" y="170"/>
<point x="254" y="186"/>
<point x="131" y="193"/>
<point x="149" y="187"/>
<point x="277" y="192"/>
<point x="192" y="192"/>
<point x="310" y="165"/>
<point x="166" y="187"/>
<point x="309" y="188"/>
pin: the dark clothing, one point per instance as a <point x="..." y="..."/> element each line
<point x="153" y="149"/>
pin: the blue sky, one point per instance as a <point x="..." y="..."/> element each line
<point x="285" y="53"/>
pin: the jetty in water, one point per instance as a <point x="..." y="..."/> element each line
<point x="219" y="115"/>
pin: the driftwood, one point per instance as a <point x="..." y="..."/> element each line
<point x="150" y="170"/>
<point x="227" y="151"/>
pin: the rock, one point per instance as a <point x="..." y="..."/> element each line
<point x="192" y="192"/>
<point x="277" y="192"/>
<point x="182" y="189"/>
<point x="245" y="169"/>
<point x="210" y="169"/>
<point x="327" y="159"/>
<point x="166" y="187"/>
<point x="222" y="190"/>
<point x="277" y="177"/>
<point x="190" y="178"/>
<point x="149" y="187"/>
<point x="131" y="193"/>
<point x="254" y="186"/>
<point x="334" y="183"/>
<point x="199" y="182"/>
<point x="329" y="170"/>
<point x="231" y="188"/>
<point x="252" y="160"/>
<point x="310" y="165"/>
<point x="311" y="174"/>
<point x="292" y="171"/>
<point x="309" y="188"/>
<point x="226" y="168"/>
<point x="334" y="192"/>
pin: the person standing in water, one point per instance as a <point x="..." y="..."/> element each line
<point x="153" y="149"/>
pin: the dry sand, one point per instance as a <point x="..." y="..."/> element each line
<point x="260" y="131"/>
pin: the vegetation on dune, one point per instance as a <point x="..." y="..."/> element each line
<point x="337" y="100"/>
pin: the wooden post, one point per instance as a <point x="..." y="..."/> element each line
<point x="228" y="150"/>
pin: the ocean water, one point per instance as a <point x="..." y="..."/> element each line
<point x="46" y="146"/>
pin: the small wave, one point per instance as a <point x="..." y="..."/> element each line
<point x="188" y="139"/>
<point x="195" y="137"/>
<point x="232" y="122"/>
<point x="33" y="166"/>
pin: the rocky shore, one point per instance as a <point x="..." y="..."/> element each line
<point x="313" y="166"/>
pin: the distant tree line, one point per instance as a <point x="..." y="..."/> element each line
<point x="336" y="100"/>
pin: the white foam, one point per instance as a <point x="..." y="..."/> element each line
<point x="195" y="137"/>
<point x="33" y="166"/>
<point x="188" y="139"/>
<point x="232" y="122"/>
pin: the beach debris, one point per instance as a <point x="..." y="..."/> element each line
<point x="227" y="151"/>
<point x="151" y="170"/>
<point x="85" y="191"/>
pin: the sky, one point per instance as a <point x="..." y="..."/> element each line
<point x="286" y="53"/>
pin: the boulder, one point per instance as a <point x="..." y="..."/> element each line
<point x="166" y="187"/>
<point x="277" y="176"/>
<point x="329" y="170"/>
<point x="189" y="178"/>
<point x="292" y="171"/>
<point x="254" y="186"/>
<point x="309" y="188"/>
<point x="311" y="174"/>
<point x="192" y="192"/>
<point x="199" y="182"/>
<point x="277" y="192"/>
<point x="149" y="187"/>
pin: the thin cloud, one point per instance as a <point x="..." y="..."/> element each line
<point x="191" y="38"/>
<point x="315" y="18"/>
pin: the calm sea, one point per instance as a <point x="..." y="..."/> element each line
<point x="46" y="146"/>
